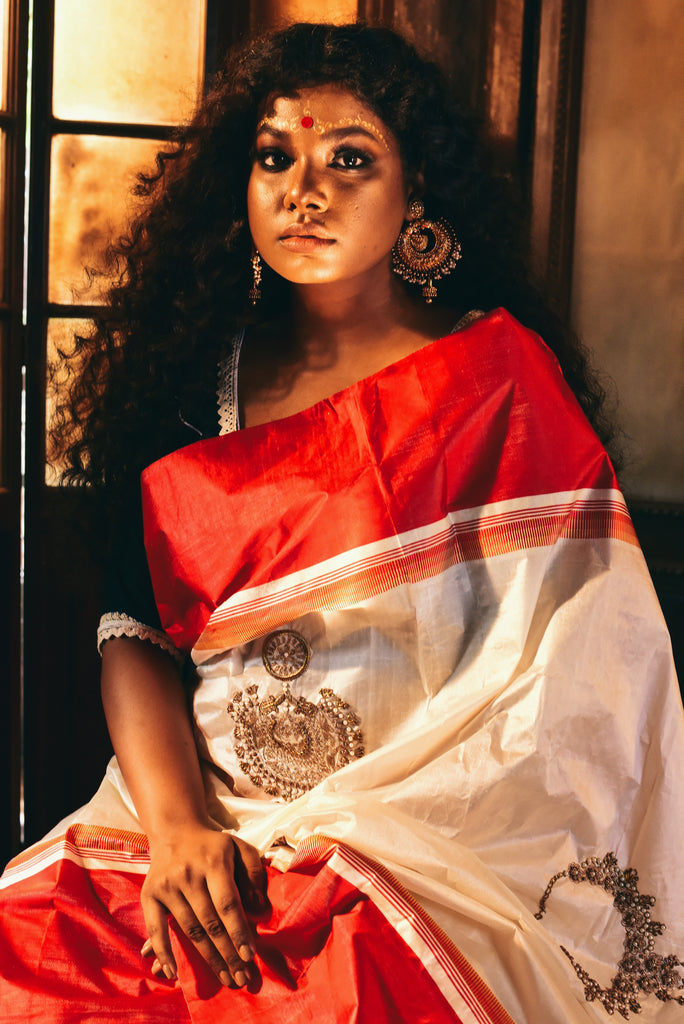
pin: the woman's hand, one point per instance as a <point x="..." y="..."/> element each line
<point x="204" y="879"/>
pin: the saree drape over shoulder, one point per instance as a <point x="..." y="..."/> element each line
<point x="434" y="686"/>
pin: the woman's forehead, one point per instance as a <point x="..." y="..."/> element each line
<point x="323" y="110"/>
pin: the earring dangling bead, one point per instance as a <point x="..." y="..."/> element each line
<point x="255" y="290"/>
<point x="425" y="251"/>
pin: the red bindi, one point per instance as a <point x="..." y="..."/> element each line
<point x="307" y="122"/>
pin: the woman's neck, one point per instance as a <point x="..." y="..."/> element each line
<point x="345" y="317"/>
<point x="334" y="336"/>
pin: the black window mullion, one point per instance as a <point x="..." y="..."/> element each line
<point x="113" y="129"/>
<point x="12" y="122"/>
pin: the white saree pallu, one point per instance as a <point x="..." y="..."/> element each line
<point x="434" y="689"/>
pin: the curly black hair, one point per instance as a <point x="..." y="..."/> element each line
<point x="182" y="273"/>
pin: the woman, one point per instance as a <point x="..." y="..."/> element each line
<point x="429" y="672"/>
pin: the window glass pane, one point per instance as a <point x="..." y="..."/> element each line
<point x="4" y="47"/>
<point x="60" y="338"/>
<point x="127" y="60"/>
<point x="90" y="202"/>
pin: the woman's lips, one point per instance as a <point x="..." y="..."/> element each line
<point x="305" y="243"/>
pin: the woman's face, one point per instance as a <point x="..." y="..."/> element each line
<point x="327" y="194"/>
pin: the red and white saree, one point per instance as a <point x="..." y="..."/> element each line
<point x="432" y="675"/>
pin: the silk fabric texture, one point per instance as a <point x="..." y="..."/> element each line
<point x="448" y="538"/>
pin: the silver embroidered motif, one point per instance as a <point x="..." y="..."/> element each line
<point x="285" y="654"/>
<point x="286" y="745"/>
<point x="641" y="969"/>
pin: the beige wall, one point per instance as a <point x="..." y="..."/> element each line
<point x="628" y="285"/>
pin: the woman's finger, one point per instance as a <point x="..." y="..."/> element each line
<point x="250" y="875"/>
<point x="232" y="920"/>
<point x="228" y="952"/>
<point x="157" y="926"/>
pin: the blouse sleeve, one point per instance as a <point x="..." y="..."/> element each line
<point x="129" y="607"/>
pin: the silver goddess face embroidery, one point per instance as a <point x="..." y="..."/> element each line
<point x="285" y="744"/>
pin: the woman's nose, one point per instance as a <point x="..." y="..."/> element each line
<point x="305" y="189"/>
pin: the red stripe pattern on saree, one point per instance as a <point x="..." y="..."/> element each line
<point x="473" y="995"/>
<point x="477" y="419"/>
<point x="93" y="846"/>
<point x="434" y="550"/>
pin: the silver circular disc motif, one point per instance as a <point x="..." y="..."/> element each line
<point x="285" y="654"/>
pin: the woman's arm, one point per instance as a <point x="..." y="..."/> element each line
<point x="194" y="869"/>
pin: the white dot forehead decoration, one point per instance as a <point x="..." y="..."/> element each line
<point x="307" y="122"/>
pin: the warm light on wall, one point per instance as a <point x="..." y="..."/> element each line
<point x="4" y="26"/>
<point x="629" y="243"/>
<point x="504" y="60"/>
<point x="276" y="13"/>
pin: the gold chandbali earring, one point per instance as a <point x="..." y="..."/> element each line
<point x="255" y="290"/>
<point x="425" y="251"/>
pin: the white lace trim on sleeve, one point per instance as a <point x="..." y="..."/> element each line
<point x="468" y="318"/>
<point x="119" y="624"/>
<point x="229" y="418"/>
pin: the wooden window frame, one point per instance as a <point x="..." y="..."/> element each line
<point x="56" y="680"/>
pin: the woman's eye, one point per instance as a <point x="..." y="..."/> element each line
<point x="351" y="159"/>
<point x="272" y="159"/>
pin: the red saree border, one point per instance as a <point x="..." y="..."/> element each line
<point x="474" y="991"/>
<point x="101" y="849"/>
<point x="486" y="537"/>
<point x="445" y="430"/>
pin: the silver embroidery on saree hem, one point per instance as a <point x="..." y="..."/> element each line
<point x="641" y="971"/>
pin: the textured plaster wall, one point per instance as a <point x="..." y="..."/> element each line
<point x="628" y="284"/>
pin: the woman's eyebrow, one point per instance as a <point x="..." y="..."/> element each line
<point x="341" y="133"/>
<point x="272" y="130"/>
<point x="332" y="132"/>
